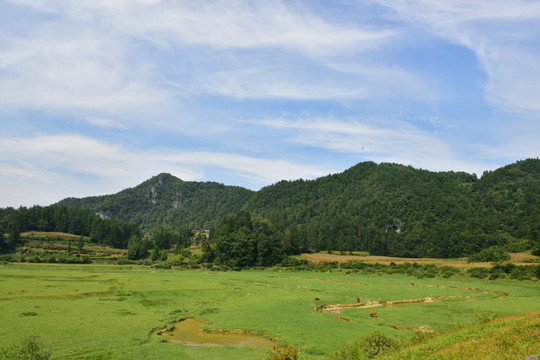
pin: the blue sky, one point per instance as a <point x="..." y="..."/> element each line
<point x="97" y="96"/>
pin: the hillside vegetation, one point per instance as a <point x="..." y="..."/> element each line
<point x="384" y="209"/>
<point x="167" y="200"/>
<point x="396" y="210"/>
<point x="508" y="338"/>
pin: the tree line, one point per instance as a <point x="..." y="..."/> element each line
<point x="62" y="219"/>
<point x="385" y="209"/>
<point x="391" y="209"/>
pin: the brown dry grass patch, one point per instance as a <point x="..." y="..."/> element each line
<point x="517" y="258"/>
<point x="50" y="233"/>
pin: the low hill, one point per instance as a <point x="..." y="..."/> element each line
<point x="165" y="200"/>
<point x="514" y="337"/>
<point x="391" y="209"/>
<point x="385" y="209"/>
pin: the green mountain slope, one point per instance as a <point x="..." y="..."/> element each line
<point x="167" y="200"/>
<point x="511" y="194"/>
<point x="391" y="209"/>
<point x="386" y="209"/>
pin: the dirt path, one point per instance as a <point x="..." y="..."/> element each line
<point x="336" y="308"/>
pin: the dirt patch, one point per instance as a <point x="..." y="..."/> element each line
<point x="332" y="308"/>
<point x="336" y="308"/>
<point x="189" y="332"/>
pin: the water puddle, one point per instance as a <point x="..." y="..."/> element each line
<point x="189" y="332"/>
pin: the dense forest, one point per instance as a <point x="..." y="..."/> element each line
<point x="240" y="240"/>
<point x="385" y="209"/>
<point x="62" y="219"/>
<point x="165" y="200"/>
<point x="391" y="209"/>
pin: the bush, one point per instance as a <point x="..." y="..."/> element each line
<point x="7" y="258"/>
<point x="480" y="273"/>
<point x="164" y="256"/>
<point x="279" y="353"/>
<point x="347" y="352"/>
<point x="448" y="271"/>
<point x="292" y="261"/>
<point x="369" y="347"/>
<point x="185" y="253"/>
<point x="376" y="344"/>
<point x="491" y="254"/>
<point x="29" y="349"/>
<point x="496" y="273"/>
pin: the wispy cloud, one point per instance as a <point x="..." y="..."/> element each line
<point x="71" y="71"/>
<point x="159" y="85"/>
<point x="501" y="35"/>
<point x="102" y="122"/>
<point x="105" y="59"/>
<point x="381" y="141"/>
<point x="54" y="161"/>
<point x="225" y="24"/>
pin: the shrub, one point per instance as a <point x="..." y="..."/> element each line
<point x="7" y="258"/>
<point x="29" y="349"/>
<point x="496" y="273"/>
<point x="491" y="254"/>
<point x="292" y="261"/>
<point x="480" y="273"/>
<point x="376" y="344"/>
<point x="279" y="353"/>
<point x="370" y="346"/>
<point x="448" y="271"/>
<point x="346" y="352"/>
<point x="164" y="256"/>
<point x="185" y="253"/>
<point x="29" y="313"/>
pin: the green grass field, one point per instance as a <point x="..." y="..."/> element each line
<point x="101" y="311"/>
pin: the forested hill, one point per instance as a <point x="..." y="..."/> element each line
<point x="386" y="209"/>
<point x="391" y="209"/>
<point x="167" y="200"/>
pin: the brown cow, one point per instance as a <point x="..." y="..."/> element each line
<point x="357" y="299"/>
<point x="372" y="313"/>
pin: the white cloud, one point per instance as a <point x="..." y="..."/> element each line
<point x="69" y="71"/>
<point x="66" y="164"/>
<point x="501" y="33"/>
<point x="380" y="141"/>
<point x="286" y="84"/>
<point x="111" y="59"/>
<point x="220" y="24"/>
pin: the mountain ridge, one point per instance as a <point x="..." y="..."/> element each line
<point x="386" y="208"/>
<point x="165" y="198"/>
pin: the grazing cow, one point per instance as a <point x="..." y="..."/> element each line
<point x="317" y="299"/>
<point x="412" y="284"/>
<point x="372" y="313"/>
<point x="357" y="299"/>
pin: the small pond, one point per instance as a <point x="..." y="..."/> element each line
<point x="189" y="332"/>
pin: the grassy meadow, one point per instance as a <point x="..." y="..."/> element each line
<point x="106" y="311"/>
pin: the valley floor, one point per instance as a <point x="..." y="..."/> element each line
<point x="98" y="311"/>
